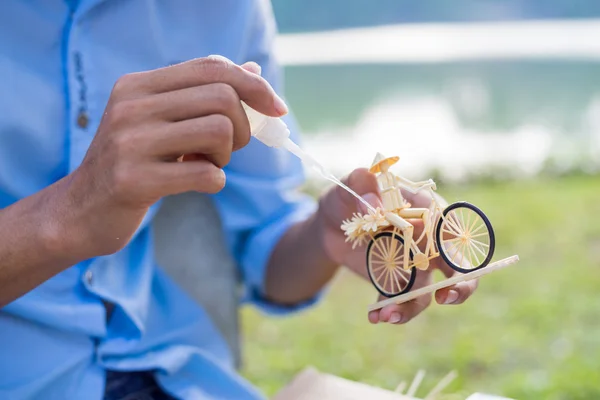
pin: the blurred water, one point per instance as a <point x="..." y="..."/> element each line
<point x="459" y="118"/>
<point x="462" y="99"/>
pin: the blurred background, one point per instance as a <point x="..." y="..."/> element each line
<point x="499" y="102"/>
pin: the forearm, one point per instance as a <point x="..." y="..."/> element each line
<point x="299" y="266"/>
<point x="33" y="246"/>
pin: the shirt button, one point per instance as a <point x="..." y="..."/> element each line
<point x="89" y="276"/>
<point x="83" y="120"/>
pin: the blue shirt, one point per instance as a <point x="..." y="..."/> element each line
<point x="58" y="62"/>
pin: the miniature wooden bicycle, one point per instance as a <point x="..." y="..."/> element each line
<point x="460" y="233"/>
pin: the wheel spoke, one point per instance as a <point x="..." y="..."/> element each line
<point x="448" y="247"/>
<point x="471" y="256"/>
<point x="456" y="252"/>
<point x="384" y="248"/>
<point x="397" y="280"/>
<point x="476" y="230"/>
<point x="395" y="255"/>
<point x="450" y="232"/>
<point x="378" y="262"/>
<point x="387" y="276"/>
<point x="453" y="225"/>
<point x="459" y="223"/>
<point x="474" y="223"/>
<point x="399" y="273"/>
<point x="377" y="251"/>
<point x="480" y="235"/>
<point x="462" y="254"/>
<point x="452" y="247"/>
<point x="375" y="269"/>
<point x="480" y="243"/>
<point x="454" y="221"/>
<point x="380" y="275"/>
<point x="479" y="251"/>
<point x="378" y="246"/>
<point x="456" y="239"/>
<point x="392" y="279"/>
<point x="461" y="219"/>
<point x="473" y="248"/>
<point x="375" y="254"/>
<point x="468" y="222"/>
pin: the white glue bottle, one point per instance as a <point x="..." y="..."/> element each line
<point x="274" y="133"/>
<point x="271" y="131"/>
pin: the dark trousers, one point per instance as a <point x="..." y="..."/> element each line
<point x="133" y="386"/>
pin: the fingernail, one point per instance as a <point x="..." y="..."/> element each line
<point x="373" y="317"/>
<point x="280" y="106"/>
<point x="452" y="297"/>
<point x="257" y="68"/>
<point x="395" y="318"/>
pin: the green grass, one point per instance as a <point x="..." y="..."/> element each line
<point x="532" y="331"/>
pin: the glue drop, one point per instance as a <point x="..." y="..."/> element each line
<point x="274" y="133"/>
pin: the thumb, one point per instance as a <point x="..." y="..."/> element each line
<point x="371" y="198"/>
<point x="362" y="182"/>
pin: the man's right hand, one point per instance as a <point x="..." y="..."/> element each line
<point x="151" y="120"/>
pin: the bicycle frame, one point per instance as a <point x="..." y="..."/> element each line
<point x="435" y="213"/>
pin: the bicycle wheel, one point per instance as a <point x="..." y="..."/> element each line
<point x="465" y="237"/>
<point x="385" y="262"/>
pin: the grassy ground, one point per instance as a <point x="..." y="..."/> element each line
<point x="531" y="332"/>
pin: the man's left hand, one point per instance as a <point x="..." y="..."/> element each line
<point x="338" y="205"/>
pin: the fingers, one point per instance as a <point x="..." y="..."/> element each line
<point x="456" y="294"/>
<point x="211" y="136"/>
<point x="417" y="200"/>
<point x="403" y="313"/>
<point x="338" y="204"/>
<point x="251" y="87"/>
<point x="180" y="177"/>
<point x="194" y="102"/>
<point x="400" y="313"/>
<point x="363" y="183"/>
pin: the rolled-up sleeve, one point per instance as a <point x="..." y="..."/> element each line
<point x="261" y="199"/>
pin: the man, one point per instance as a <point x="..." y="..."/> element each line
<point x="88" y="147"/>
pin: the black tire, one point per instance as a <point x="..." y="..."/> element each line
<point x="490" y="230"/>
<point x="413" y="270"/>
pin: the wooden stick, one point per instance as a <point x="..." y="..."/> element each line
<point x="400" y="388"/>
<point x="403" y="298"/>
<point x="437" y="389"/>
<point x="415" y="383"/>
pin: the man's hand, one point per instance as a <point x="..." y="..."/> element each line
<point x="163" y="132"/>
<point x="338" y="205"/>
<point x="152" y="119"/>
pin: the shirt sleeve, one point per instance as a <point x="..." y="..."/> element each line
<point x="261" y="199"/>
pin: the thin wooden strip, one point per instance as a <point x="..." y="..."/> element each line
<point x="441" y="385"/>
<point x="400" y="388"/>
<point x="414" y="386"/>
<point x="403" y="298"/>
